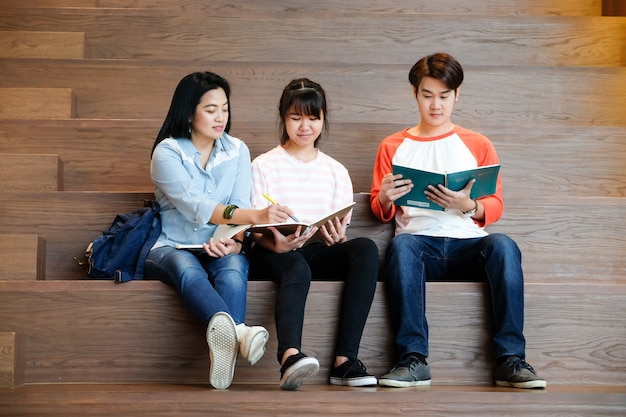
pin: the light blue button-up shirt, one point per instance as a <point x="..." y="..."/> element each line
<point x="189" y="193"/>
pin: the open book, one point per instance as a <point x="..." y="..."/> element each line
<point x="286" y="228"/>
<point x="290" y="227"/>
<point x="486" y="178"/>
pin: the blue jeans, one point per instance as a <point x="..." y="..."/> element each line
<point x="413" y="259"/>
<point x="206" y="285"/>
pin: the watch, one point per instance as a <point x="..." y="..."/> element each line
<point x="472" y="211"/>
<point x="229" y="210"/>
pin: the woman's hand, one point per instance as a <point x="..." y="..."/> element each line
<point x="334" y="231"/>
<point x="222" y="247"/>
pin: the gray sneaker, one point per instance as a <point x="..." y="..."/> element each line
<point x="409" y="372"/>
<point x="517" y="373"/>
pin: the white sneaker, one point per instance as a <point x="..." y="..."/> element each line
<point x="252" y="340"/>
<point x="221" y="337"/>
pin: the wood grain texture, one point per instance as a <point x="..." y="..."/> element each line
<point x="347" y="38"/>
<point x="142" y="90"/>
<point x="261" y="7"/>
<point x="536" y="161"/>
<point x="11" y="364"/>
<point x="97" y="331"/>
<point x="565" y="240"/>
<point x="265" y="400"/>
<point x="53" y="45"/>
<point x="31" y="172"/>
<point x="36" y="103"/>
<point x="22" y="257"/>
<point x="575" y="239"/>
<point x="66" y="221"/>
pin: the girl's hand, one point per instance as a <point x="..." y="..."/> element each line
<point x="334" y="231"/>
<point x="274" y="213"/>
<point x="293" y="241"/>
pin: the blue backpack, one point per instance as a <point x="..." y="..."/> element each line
<point x="119" y="253"/>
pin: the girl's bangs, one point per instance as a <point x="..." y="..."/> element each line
<point x="307" y="102"/>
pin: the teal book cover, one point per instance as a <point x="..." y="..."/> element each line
<point x="486" y="180"/>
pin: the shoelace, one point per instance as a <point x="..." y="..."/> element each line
<point x="519" y="363"/>
<point x="409" y="362"/>
<point x="358" y="364"/>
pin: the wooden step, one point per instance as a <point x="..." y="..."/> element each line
<point x="11" y="366"/>
<point x="265" y="400"/>
<point x="270" y="7"/>
<point x="36" y="103"/>
<point x="567" y="240"/>
<point x="31" y="172"/>
<point x="351" y="37"/>
<point x="54" y="45"/>
<point x="545" y="94"/>
<point x="66" y="221"/>
<point x="536" y="161"/>
<point x="22" y="257"/>
<point x="101" y="332"/>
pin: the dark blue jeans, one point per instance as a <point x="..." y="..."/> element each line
<point x="206" y="285"/>
<point x="413" y="259"/>
<point x="355" y="262"/>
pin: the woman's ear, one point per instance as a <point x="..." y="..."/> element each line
<point x="456" y="94"/>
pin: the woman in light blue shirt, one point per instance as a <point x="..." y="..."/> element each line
<point x="202" y="179"/>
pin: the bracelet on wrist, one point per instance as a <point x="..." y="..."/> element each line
<point x="472" y="211"/>
<point x="229" y="210"/>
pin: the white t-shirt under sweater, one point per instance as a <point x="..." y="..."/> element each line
<point x="310" y="189"/>
<point x="457" y="150"/>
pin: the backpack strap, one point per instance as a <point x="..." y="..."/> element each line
<point x="155" y="232"/>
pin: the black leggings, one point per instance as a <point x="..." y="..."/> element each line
<point x="355" y="262"/>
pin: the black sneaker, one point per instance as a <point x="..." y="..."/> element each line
<point x="517" y="373"/>
<point x="352" y="373"/>
<point x="409" y="372"/>
<point x="296" y="369"/>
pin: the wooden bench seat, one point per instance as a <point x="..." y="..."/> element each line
<point x="98" y="331"/>
<point x="143" y="89"/>
<point x="564" y="240"/>
<point x="152" y="34"/>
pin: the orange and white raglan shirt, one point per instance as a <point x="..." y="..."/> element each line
<point x="457" y="150"/>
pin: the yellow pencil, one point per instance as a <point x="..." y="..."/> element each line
<point x="271" y="200"/>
